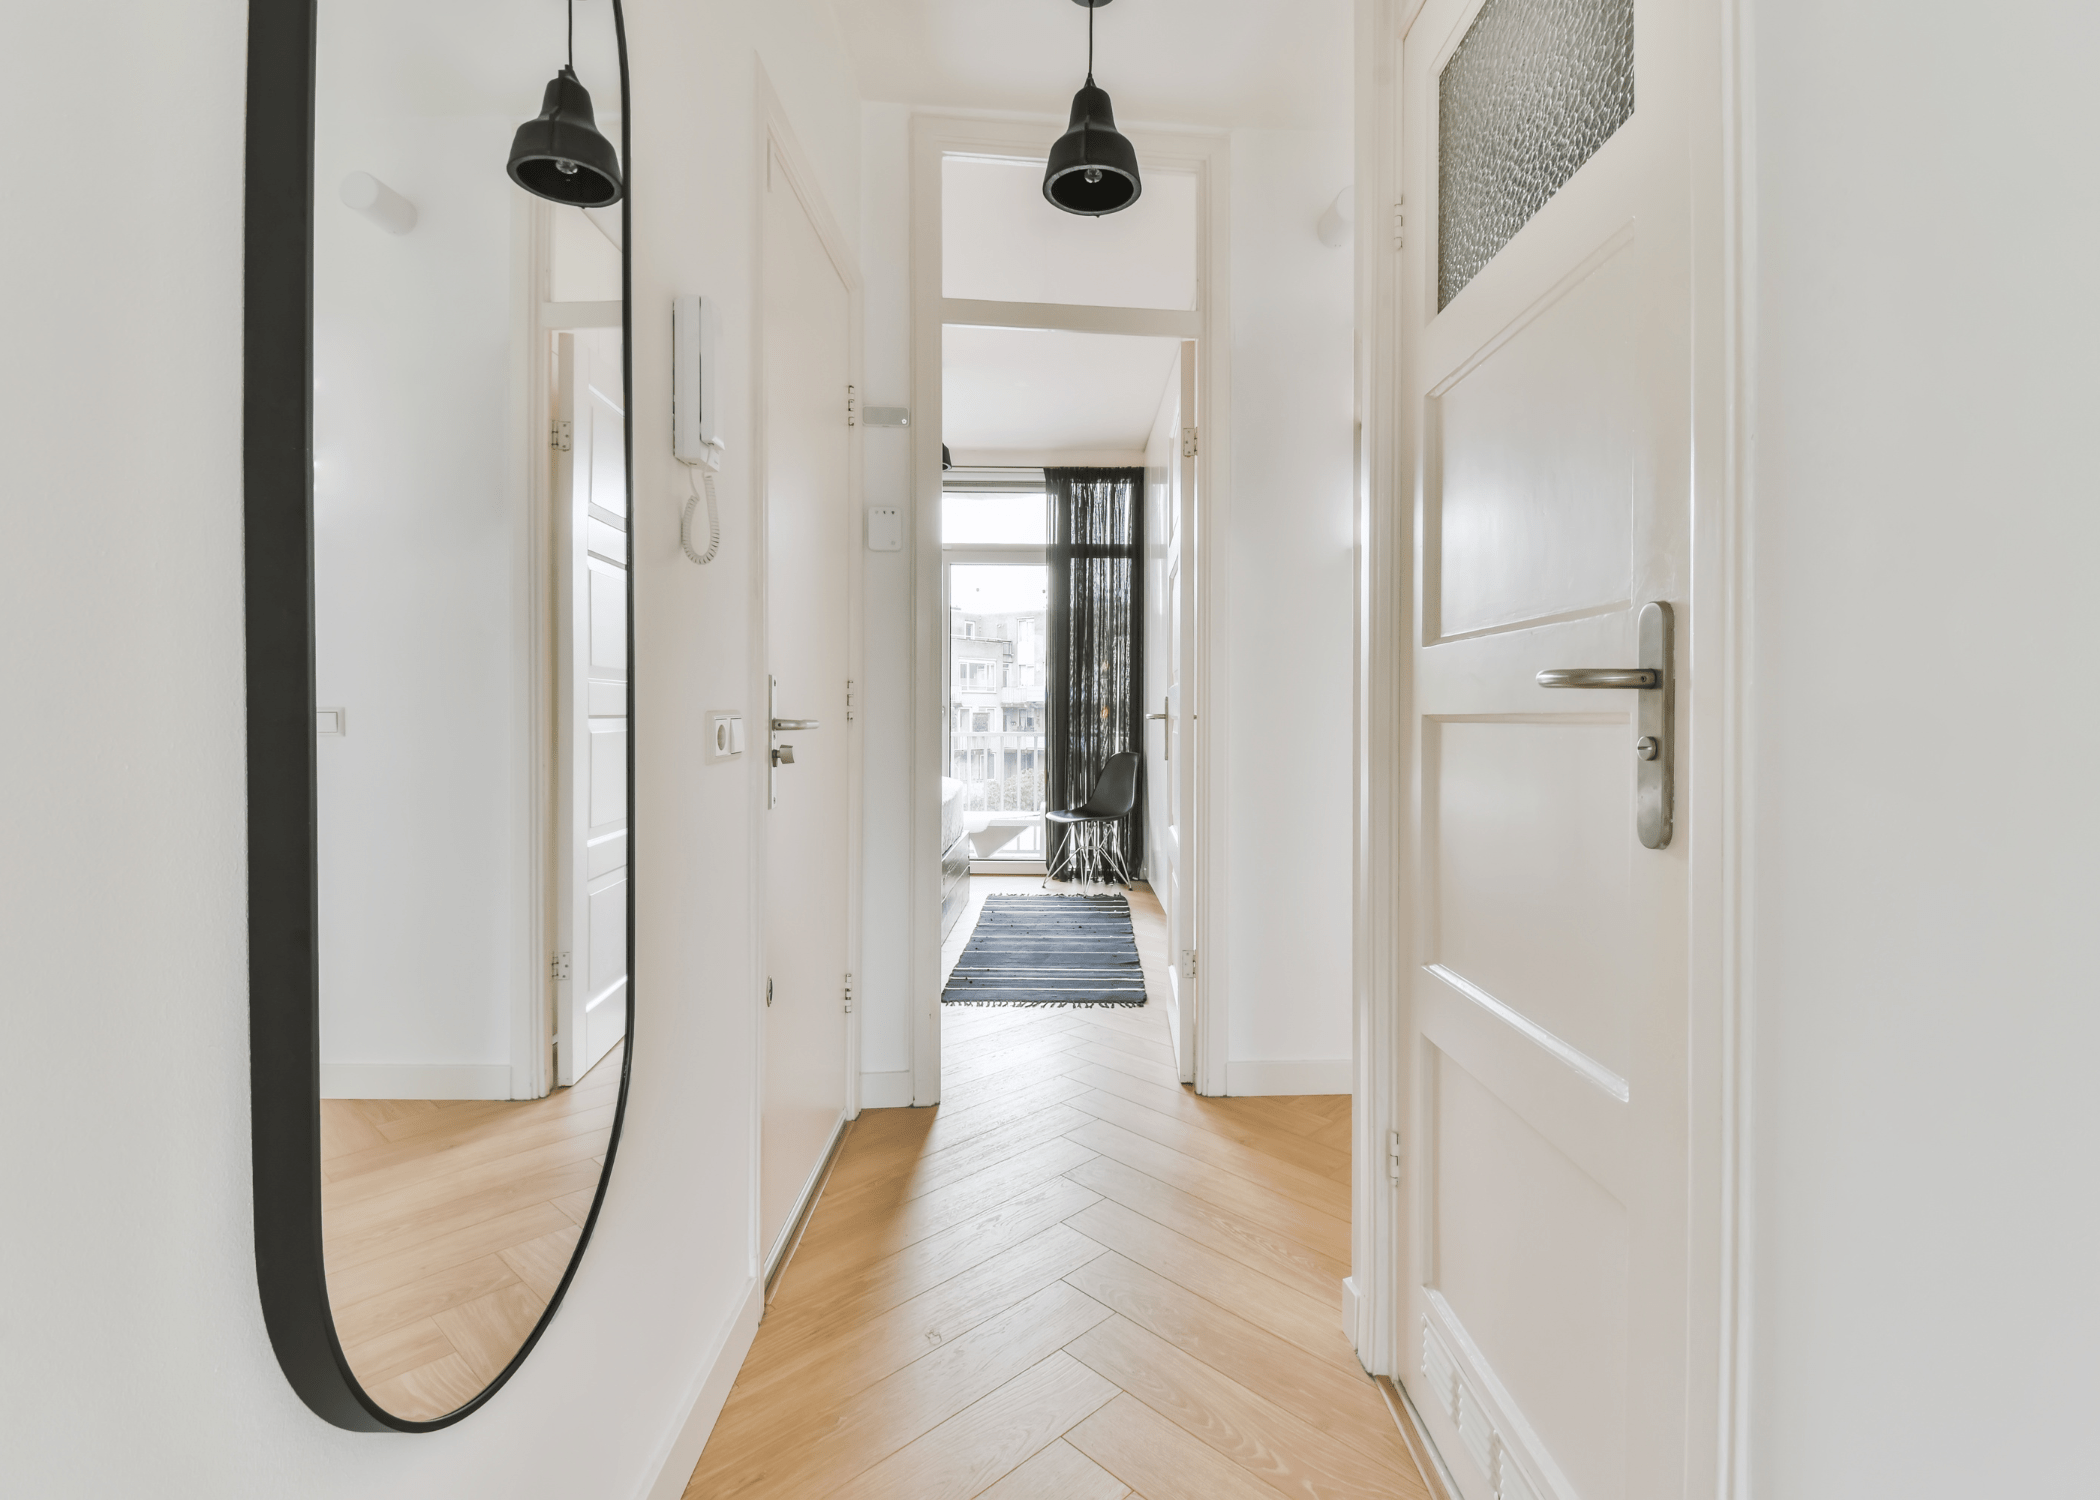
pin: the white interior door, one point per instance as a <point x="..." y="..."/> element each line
<point x="591" y="763"/>
<point x="809" y="540"/>
<point x="1547" y="380"/>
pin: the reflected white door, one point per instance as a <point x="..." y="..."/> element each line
<point x="809" y="540"/>
<point x="590" y="901"/>
<point x="1548" y="391"/>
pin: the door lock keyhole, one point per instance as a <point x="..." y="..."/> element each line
<point x="1647" y="747"/>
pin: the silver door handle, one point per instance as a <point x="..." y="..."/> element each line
<point x="1601" y="677"/>
<point x="782" y="725"/>
<point x="1167" y="739"/>
<point x="1654" y="748"/>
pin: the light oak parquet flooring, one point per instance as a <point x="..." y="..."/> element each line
<point x="447" y="1225"/>
<point x="1074" y="1280"/>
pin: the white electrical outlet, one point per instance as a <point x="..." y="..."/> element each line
<point x="725" y="735"/>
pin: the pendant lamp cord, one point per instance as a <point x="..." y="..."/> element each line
<point x="1091" y="8"/>
<point x="572" y="37"/>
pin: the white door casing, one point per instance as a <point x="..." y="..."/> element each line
<point x="809" y="844"/>
<point x="1547" y="411"/>
<point x="1171" y="751"/>
<point x="590" y="897"/>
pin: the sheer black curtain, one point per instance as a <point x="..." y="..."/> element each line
<point x="1096" y="644"/>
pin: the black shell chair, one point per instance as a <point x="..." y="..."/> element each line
<point x="1113" y="795"/>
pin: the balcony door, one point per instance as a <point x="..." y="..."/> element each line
<point x="996" y="602"/>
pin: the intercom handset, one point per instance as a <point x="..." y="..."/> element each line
<point x="695" y="415"/>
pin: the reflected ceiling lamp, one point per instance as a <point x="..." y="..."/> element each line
<point x="1093" y="167"/>
<point x="561" y="155"/>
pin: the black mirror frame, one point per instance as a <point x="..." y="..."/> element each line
<point x="284" y="1070"/>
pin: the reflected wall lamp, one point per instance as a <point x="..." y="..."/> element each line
<point x="1093" y="167"/>
<point x="561" y="155"/>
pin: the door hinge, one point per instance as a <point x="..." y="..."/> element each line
<point x="1400" y="223"/>
<point x="849" y="994"/>
<point x="563" y="436"/>
<point x="849" y="700"/>
<point x="1188" y="442"/>
<point x="558" y="967"/>
<point x="1392" y="1156"/>
<point x="852" y="407"/>
<point x="1188" y="963"/>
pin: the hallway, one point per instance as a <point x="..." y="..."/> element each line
<point x="1074" y="1280"/>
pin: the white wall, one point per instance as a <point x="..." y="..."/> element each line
<point x="421" y="520"/>
<point x="139" y="1362"/>
<point x="1288" y="624"/>
<point x="1925" y="807"/>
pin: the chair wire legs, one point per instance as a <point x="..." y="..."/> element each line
<point x="1090" y="853"/>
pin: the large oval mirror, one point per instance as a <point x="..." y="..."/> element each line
<point x="439" y="632"/>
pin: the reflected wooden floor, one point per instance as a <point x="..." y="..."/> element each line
<point x="447" y="1224"/>
<point x="1075" y="1280"/>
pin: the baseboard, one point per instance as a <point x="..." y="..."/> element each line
<point x="1419" y="1448"/>
<point x="885" y="1090"/>
<point x="1319" y="1075"/>
<point x="681" y="1454"/>
<point x="1352" y="1315"/>
<point x="415" y="1080"/>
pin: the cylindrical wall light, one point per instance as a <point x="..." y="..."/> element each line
<point x="378" y="202"/>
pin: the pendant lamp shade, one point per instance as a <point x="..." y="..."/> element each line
<point x="1093" y="167"/>
<point x="561" y="155"/>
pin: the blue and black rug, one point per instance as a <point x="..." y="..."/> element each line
<point x="1049" y="950"/>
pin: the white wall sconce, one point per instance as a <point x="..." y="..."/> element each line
<point x="378" y="202"/>
<point x="1339" y="220"/>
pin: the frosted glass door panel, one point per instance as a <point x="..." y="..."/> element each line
<point x="1001" y="241"/>
<point x="1533" y="90"/>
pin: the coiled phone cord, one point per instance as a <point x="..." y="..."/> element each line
<point x="714" y="518"/>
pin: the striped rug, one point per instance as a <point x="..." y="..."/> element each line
<point x="1049" y="950"/>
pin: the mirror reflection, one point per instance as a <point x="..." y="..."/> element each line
<point x="471" y="625"/>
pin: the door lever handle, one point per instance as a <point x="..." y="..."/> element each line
<point x="1600" y="677"/>
<point x="782" y="725"/>
<point x="1167" y="742"/>
<point x="1654" y="748"/>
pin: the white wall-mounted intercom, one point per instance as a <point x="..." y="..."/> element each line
<point x="695" y="384"/>
<point x="696" y="415"/>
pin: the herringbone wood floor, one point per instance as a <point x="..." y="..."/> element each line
<point x="1074" y="1280"/>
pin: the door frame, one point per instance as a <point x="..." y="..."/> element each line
<point x="1207" y="154"/>
<point x="1713" y="795"/>
<point x="779" y="150"/>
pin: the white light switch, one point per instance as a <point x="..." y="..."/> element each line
<point x="331" y="721"/>
<point x="885" y="529"/>
<point x="725" y="735"/>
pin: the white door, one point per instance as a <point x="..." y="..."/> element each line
<point x="1170" y="772"/>
<point x="1547" y="381"/>
<point x="809" y="540"/>
<point x="591" y="709"/>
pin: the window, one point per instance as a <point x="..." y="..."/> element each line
<point x="981" y="721"/>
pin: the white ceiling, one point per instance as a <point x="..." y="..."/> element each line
<point x="1281" y="65"/>
<point x="1021" y="390"/>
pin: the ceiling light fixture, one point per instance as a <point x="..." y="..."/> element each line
<point x="561" y="155"/>
<point x="1093" y="167"/>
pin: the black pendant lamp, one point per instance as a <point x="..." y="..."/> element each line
<point x="562" y="155"/>
<point x="1093" y="167"/>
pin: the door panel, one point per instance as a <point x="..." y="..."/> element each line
<point x="591" y="772"/>
<point x="1548" y="384"/>
<point x="809" y="540"/>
